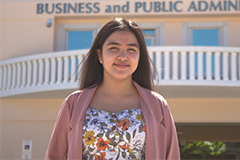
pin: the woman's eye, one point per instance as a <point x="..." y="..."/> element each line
<point x="132" y="49"/>
<point x="113" y="48"/>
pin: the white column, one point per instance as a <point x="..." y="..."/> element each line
<point x="191" y="65"/>
<point x="24" y="73"/>
<point x="40" y="73"/>
<point x="80" y="59"/>
<point x="35" y="72"/>
<point x="66" y="69"/>
<point x="18" y="75"/>
<point x="167" y="65"/>
<point x="175" y="65"/>
<point x="46" y="71"/>
<point x="158" y="64"/>
<point x="217" y="65"/>
<point x="29" y="73"/>
<point x="233" y="66"/>
<point x="4" y="77"/>
<point x="14" y="73"/>
<point x="200" y="65"/>
<point x="53" y="70"/>
<point x="151" y="55"/>
<point x="1" y="78"/>
<point x="238" y="65"/>
<point x="183" y="65"/>
<point x="9" y="74"/>
<point x="59" y="68"/>
<point x="209" y="66"/>
<point x="225" y="66"/>
<point x="73" y="69"/>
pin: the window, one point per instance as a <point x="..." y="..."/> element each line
<point x="79" y="40"/>
<point x="154" y="36"/>
<point x="73" y="36"/>
<point x="149" y="36"/>
<point x="205" y="37"/>
<point x="205" y="33"/>
<point x="153" y="33"/>
<point x="76" y="35"/>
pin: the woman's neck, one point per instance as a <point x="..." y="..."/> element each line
<point x="117" y="88"/>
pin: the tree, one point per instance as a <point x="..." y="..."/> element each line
<point x="206" y="149"/>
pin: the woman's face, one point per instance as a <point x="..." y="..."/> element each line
<point x="120" y="55"/>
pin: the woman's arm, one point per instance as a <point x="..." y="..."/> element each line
<point x="58" y="145"/>
<point x="172" y="148"/>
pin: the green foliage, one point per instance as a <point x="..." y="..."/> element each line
<point x="206" y="149"/>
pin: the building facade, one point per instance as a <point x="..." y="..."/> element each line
<point x="195" y="46"/>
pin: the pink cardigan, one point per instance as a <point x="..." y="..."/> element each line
<point x="161" y="136"/>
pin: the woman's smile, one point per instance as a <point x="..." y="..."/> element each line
<point x="121" y="65"/>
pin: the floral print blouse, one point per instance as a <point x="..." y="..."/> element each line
<point x="114" y="135"/>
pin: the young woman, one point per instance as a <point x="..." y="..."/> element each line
<point x="115" y="115"/>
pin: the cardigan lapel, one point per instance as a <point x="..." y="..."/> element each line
<point x="77" y="120"/>
<point x="82" y="104"/>
<point x="155" y="131"/>
<point x="151" y="102"/>
<point x="143" y="92"/>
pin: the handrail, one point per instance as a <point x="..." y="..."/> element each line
<point x="177" y="65"/>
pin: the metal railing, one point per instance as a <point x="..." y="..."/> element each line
<point x="183" y="65"/>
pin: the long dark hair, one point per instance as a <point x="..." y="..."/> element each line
<point x="91" y="72"/>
